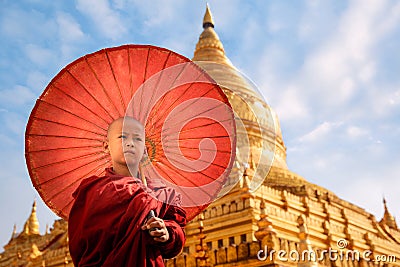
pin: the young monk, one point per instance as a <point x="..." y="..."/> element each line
<point x="108" y="224"/>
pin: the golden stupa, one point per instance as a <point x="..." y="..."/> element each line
<point x="267" y="215"/>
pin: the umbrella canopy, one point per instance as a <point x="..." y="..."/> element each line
<point x="189" y="124"/>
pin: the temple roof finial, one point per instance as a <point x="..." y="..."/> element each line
<point x="208" y="20"/>
<point x="265" y="227"/>
<point x="202" y="253"/>
<point x="388" y="218"/>
<point x="245" y="194"/>
<point x="14" y="232"/>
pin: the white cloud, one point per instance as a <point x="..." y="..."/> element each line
<point x="345" y="62"/>
<point x="69" y="29"/>
<point x="160" y="14"/>
<point x="384" y="101"/>
<point x="16" y="96"/>
<point x="316" y="21"/>
<point x="20" y="25"/>
<point x="356" y="132"/>
<point x="367" y="72"/>
<point x="321" y="132"/>
<point x="71" y="37"/>
<point x="394" y="98"/>
<point x="107" y="20"/>
<point x="291" y="105"/>
<point x="7" y="140"/>
<point x="119" y="4"/>
<point x="39" y="55"/>
<point x="9" y="23"/>
<point x="15" y="123"/>
<point x="37" y="81"/>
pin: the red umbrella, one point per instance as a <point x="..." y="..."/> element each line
<point x="189" y="124"/>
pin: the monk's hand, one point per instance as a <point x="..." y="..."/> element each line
<point x="157" y="229"/>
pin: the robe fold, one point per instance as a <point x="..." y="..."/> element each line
<point x="106" y="218"/>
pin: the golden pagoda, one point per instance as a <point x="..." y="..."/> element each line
<point x="266" y="215"/>
<point x="279" y="219"/>
<point x="29" y="248"/>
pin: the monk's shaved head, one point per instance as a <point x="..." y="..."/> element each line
<point x="120" y="121"/>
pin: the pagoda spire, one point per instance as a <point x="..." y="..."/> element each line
<point x="208" y="20"/>
<point x="31" y="226"/>
<point x="209" y="47"/>
<point x="388" y="218"/>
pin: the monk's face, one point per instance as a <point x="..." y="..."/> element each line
<point x="125" y="143"/>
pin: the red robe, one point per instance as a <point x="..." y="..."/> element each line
<point x="106" y="218"/>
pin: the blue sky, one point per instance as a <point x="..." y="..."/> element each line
<point x="329" y="68"/>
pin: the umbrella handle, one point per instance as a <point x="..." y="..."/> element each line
<point x="151" y="212"/>
<point x="151" y="215"/>
<point x="144" y="181"/>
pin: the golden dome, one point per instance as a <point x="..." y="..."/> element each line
<point x="256" y="121"/>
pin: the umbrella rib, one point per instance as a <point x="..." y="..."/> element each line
<point x="62" y="136"/>
<point x="130" y="79"/>
<point x="176" y="100"/>
<point x="193" y="128"/>
<point x="106" y="111"/>
<point x="75" y="115"/>
<point x="196" y="148"/>
<point x="158" y="82"/>
<point x="66" y="125"/>
<point x="190" y="157"/>
<point x="131" y="75"/>
<point x="67" y="160"/>
<point x="75" y="181"/>
<point x="181" y="191"/>
<point x="76" y="101"/>
<point x="61" y="148"/>
<point x="68" y="204"/>
<point x="197" y="138"/>
<point x="197" y="99"/>
<point x="79" y="167"/>
<point x="205" y="125"/>
<point x="102" y="86"/>
<point x="143" y="84"/>
<point x="192" y="138"/>
<point x="195" y="171"/>
<point x="159" y="143"/>
<point x="199" y="126"/>
<point x="115" y="80"/>
<point x="194" y="116"/>
<point x="201" y="189"/>
<point x="162" y="100"/>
